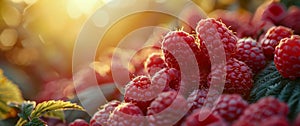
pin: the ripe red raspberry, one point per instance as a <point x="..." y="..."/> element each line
<point x="173" y="43"/>
<point x="101" y="116"/>
<point x="250" y="53"/>
<point x="287" y="57"/>
<point x="210" y="32"/>
<point x="230" y="107"/>
<point x="137" y="61"/>
<point x="137" y="93"/>
<point x="79" y="122"/>
<point x="169" y="45"/>
<point x="238" y="77"/>
<point x="211" y="120"/>
<point x="167" y="109"/>
<point x="272" y="38"/>
<point x="198" y="97"/>
<point x="180" y="49"/>
<point x="263" y="109"/>
<point x="154" y="63"/>
<point x="125" y="114"/>
<point x="174" y="78"/>
<point x="275" y="121"/>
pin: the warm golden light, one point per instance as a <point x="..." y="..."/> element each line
<point x="76" y="8"/>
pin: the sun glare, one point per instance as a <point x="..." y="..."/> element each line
<point x="77" y="8"/>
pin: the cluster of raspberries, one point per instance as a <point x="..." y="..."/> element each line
<point x="176" y="89"/>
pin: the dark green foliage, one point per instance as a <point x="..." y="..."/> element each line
<point x="269" y="82"/>
<point x="289" y="3"/>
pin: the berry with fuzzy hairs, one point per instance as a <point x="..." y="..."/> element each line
<point x="262" y="109"/>
<point x="101" y="116"/>
<point x="272" y="39"/>
<point x="167" y="109"/>
<point x="210" y="32"/>
<point x="238" y="77"/>
<point x="181" y="50"/>
<point x="154" y="63"/>
<point x="135" y="92"/>
<point x="230" y="107"/>
<point x="125" y="114"/>
<point x="170" y="44"/>
<point x="211" y="120"/>
<point x="250" y="53"/>
<point x="198" y="98"/>
<point x="79" y="122"/>
<point x="287" y="57"/>
<point x="173" y="42"/>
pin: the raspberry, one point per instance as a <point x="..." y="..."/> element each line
<point x="210" y="32"/>
<point x="170" y="43"/>
<point x="199" y="97"/>
<point x="274" y="13"/>
<point x="292" y="19"/>
<point x="137" y="93"/>
<point x="168" y="108"/>
<point x="188" y="55"/>
<point x="101" y="116"/>
<point x="137" y="61"/>
<point x="79" y="122"/>
<point x="249" y="52"/>
<point x="154" y="63"/>
<point x="287" y="57"/>
<point x="263" y="109"/>
<point x="211" y="120"/>
<point x="275" y="121"/>
<point x="238" y="77"/>
<point x="125" y="114"/>
<point x="272" y="38"/>
<point x="174" y="78"/>
<point x="230" y="107"/>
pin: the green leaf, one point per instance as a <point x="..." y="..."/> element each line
<point x="36" y="122"/>
<point x="55" y="114"/>
<point x="286" y="92"/>
<point x="269" y="82"/>
<point x="52" y="105"/>
<point x="289" y="3"/>
<point x="8" y="92"/>
<point x="294" y="101"/>
<point x="26" y="109"/>
<point x="21" y="122"/>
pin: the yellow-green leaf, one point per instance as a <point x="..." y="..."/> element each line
<point x="8" y="92"/>
<point x="52" y="105"/>
<point x="55" y="114"/>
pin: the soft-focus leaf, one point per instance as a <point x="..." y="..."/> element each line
<point x="8" y="92"/>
